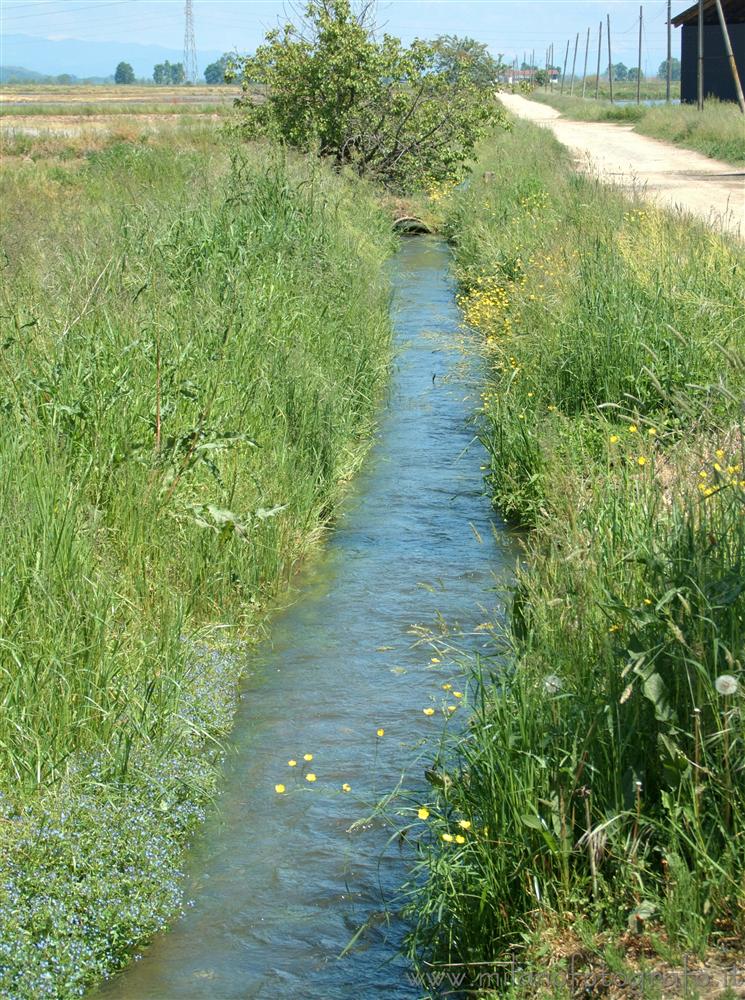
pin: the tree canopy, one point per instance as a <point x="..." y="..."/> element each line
<point x="169" y="73"/>
<point x="465" y="57"/>
<point x="215" y="72"/>
<point x="399" y="114"/>
<point x="674" y="69"/>
<point x="124" y="73"/>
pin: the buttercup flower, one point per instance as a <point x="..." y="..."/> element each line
<point x="428" y="711"/>
<point x="346" y="788"/>
<point x="423" y="813"/>
<point x="459" y="838"/>
<point x="308" y="756"/>
<point x="292" y="763"/>
<point x="380" y="732"/>
<point x="279" y="789"/>
<point x="310" y="777"/>
<point x="448" y="838"/>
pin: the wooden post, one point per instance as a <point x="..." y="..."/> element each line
<point x="700" y="66"/>
<point x="639" y="62"/>
<point x="584" y="72"/>
<point x="730" y="56"/>
<point x="669" y="52"/>
<point x="564" y="71"/>
<point x="600" y="46"/>
<point x="574" y="62"/>
<point x="610" y="62"/>
<point x="532" y="65"/>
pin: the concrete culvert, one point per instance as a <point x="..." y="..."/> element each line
<point x="409" y="225"/>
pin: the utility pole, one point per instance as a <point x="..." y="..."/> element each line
<point x="700" y="69"/>
<point x="669" y="52"/>
<point x="730" y="56"/>
<point x="610" y="61"/>
<point x="600" y="46"/>
<point x="639" y="63"/>
<point x="191" y="70"/>
<point x="574" y="62"/>
<point x="564" y="71"/>
<point x="532" y="65"/>
<point x="584" y="72"/>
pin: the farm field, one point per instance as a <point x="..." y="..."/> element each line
<point x="372" y="605"/>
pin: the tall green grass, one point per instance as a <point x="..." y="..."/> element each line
<point x="601" y="775"/>
<point x="192" y="351"/>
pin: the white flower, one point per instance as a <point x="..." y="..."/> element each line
<point x="553" y="684"/>
<point x="726" y="685"/>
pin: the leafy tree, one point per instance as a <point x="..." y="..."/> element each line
<point x="620" y="72"/>
<point x="632" y="74"/>
<point x="124" y="73"/>
<point x="459" y="57"/>
<point x="540" y="77"/>
<point x="389" y="111"/>
<point x="215" y="72"/>
<point x="169" y="73"/>
<point x="674" y="69"/>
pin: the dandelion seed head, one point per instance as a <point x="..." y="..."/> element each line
<point x="726" y="685"/>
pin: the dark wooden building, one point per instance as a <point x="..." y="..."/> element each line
<point x="718" y="80"/>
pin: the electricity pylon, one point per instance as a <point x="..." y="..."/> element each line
<point x="191" y="69"/>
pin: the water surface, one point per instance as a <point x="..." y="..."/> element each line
<point x="279" y="885"/>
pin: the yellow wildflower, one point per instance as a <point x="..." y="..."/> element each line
<point x="310" y="777"/>
<point x="292" y="763"/>
<point x="308" y="756"/>
<point x="423" y="813"/>
<point x="346" y="788"/>
<point x="614" y="439"/>
<point x="464" y="824"/>
<point x="279" y="789"/>
<point x="381" y="732"/>
<point x="642" y="460"/>
<point x="633" y="428"/>
<point x="428" y="711"/>
<point x="448" y="838"/>
<point x="459" y="838"/>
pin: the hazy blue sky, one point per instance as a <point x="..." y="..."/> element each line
<point x="508" y="26"/>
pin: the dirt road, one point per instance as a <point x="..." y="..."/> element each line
<point x="674" y="177"/>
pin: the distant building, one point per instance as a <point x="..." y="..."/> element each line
<point x="718" y="80"/>
<point x="512" y="76"/>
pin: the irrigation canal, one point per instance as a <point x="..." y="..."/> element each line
<point x="277" y="882"/>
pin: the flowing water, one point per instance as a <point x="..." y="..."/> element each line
<point x="279" y="884"/>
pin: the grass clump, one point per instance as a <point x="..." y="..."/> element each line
<point x="717" y="131"/>
<point x="601" y="775"/>
<point x="192" y="353"/>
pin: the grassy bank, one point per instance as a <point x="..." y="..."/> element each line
<point x="594" y="810"/>
<point x="717" y="131"/>
<point x="192" y="350"/>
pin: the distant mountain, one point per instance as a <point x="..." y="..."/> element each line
<point x="19" y="74"/>
<point x="52" y="56"/>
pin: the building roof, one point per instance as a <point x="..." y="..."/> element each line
<point x="734" y="13"/>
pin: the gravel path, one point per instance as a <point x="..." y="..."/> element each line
<point x="674" y="177"/>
